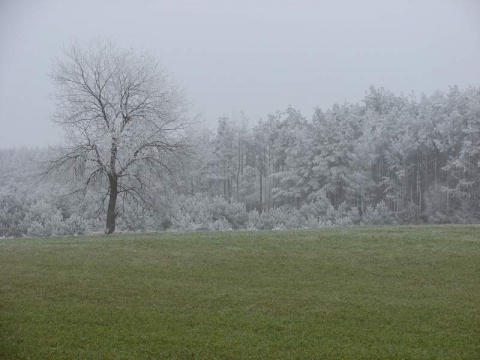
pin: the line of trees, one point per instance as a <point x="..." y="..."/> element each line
<point x="419" y="156"/>
<point x="391" y="159"/>
<point x="130" y="157"/>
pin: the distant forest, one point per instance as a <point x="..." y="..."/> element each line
<point x="392" y="159"/>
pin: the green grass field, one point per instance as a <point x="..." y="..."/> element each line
<point x="356" y="293"/>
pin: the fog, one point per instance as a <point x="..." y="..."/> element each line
<point x="256" y="57"/>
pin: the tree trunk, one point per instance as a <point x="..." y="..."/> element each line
<point x="260" y="208"/>
<point x="111" y="214"/>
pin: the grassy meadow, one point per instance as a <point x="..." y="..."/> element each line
<point x="346" y="293"/>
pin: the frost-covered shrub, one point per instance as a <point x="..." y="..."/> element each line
<point x="43" y="219"/>
<point x="12" y="213"/>
<point x="344" y="221"/>
<point x="75" y="225"/>
<point x="343" y="216"/>
<point x="39" y="211"/>
<point x="233" y="212"/>
<point x="312" y="222"/>
<point x="252" y="220"/>
<point x="263" y="221"/>
<point x="236" y="215"/>
<point x="185" y="222"/>
<point x="280" y="218"/>
<point x="39" y="219"/>
<point x="37" y="229"/>
<point x="220" y="224"/>
<point x="158" y="221"/>
<point x="354" y="215"/>
<point x="323" y="224"/>
<point x="295" y="219"/>
<point x="317" y="208"/>
<point x="331" y="214"/>
<point x="267" y="220"/>
<point x="289" y="218"/>
<point x="378" y="215"/>
<point x="201" y="213"/>
<point x="342" y="210"/>
<point x="132" y="218"/>
<point x="189" y="215"/>
<point x="57" y="226"/>
<point x="410" y="214"/>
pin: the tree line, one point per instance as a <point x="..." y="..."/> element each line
<point x="390" y="159"/>
<point x="418" y="156"/>
<point x="131" y="155"/>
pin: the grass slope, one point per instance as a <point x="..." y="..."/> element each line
<point x="357" y="293"/>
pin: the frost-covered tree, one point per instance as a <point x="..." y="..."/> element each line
<point x="294" y="152"/>
<point x="463" y="164"/>
<point x="123" y="118"/>
<point x="338" y="131"/>
<point x="226" y="151"/>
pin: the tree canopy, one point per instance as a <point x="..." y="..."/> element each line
<point x="124" y="120"/>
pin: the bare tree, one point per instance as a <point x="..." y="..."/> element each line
<point x="123" y="118"/>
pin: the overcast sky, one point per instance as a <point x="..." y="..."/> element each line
<point x="255" y="56"/>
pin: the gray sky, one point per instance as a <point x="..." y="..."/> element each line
<point x="255" y="56"/>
